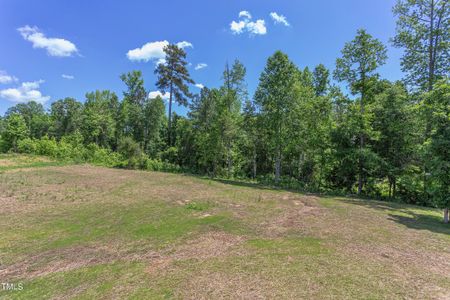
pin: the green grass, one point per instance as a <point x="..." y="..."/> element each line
<point x="19" y="161"/>
<point x="87" y="232"/>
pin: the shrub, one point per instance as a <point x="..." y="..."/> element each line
<point x="27" y="146"/>
<point x="131" y="152"/>
<point x="170" y="155"/>
<point x="157" y="165"/>
<point x="46" y="146"/>
<point x="101" y="156"/>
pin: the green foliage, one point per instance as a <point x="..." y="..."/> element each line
<point x="66" y="117"/>
<point x="438" y="145"/>
<point x="36" y="120"/>
<point x="298" y="130"/>
<point x="14" y="131"/>
<point x="321" y="80"/>
<point x="170" y="155"/>
<point x="274" y="98"/>
<point x="99" y="118"/>
<point x="196" y="206"/>
<point x="423" y="30"/>
<point x="393" y="120"/>
<point x="154" y="121"/>
<point x="173" y="77"/>
<point x="360" y="59"/>
<point x="131" y="152"/>
<point x="132" y="107"/>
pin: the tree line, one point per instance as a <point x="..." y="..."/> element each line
<point x="300" y="130"/>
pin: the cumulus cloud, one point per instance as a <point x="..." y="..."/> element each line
<point x="245" y="24"/>
<point x="258" y="27"/>
<point x="69" y="77"/>
<point x="199" y="85"/>
<point x="5" y="78"/>
<point x="279" y="19"/>
<point x="27" y="91"/>
<point x="237" y="27"/>
<point x="155" y="94"/>
<point x="200" y="66"/>
<point x="149" y="51"/>
<point x="245" y="14"/>
<point x="54" y="46"/>
<point x="153" y="51"/>
<point x="185" y="44"/>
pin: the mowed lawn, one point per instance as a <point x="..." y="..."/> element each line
<point x="86" y="232"/>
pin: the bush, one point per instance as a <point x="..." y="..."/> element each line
<point x="170" y="155"/>
<point x="27" y="146"/>
<point x="101" y="156"/>
<point x="70" y="148"/>
<point x="131" y="152"/>
<point x="3" y="146"/>
<point x="157" y="165"/>
<point x="46" y="146"/>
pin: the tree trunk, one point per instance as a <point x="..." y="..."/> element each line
<point x="394" y="184"/>
<point x="361" y="144"/>
<point x="254" y="163"/>
<point x="430" y="49"/>
<point x="278" y="166"/>
<point x="169" y="127"/>
<point x="390" y="188"/>
<point x="446" y="215"/>
<point x="229" y="160"/>
<point x="299" y="170"/>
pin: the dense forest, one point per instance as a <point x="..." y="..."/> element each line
<point x="299" y="130"/>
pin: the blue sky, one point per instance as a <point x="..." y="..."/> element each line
<point x="88" y="41"/>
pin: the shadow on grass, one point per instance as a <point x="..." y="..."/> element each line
<point x="411" y="216"/>
<point x="415" y="217"/>
<point x="247" y="184"/>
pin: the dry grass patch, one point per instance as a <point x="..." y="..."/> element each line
<point x="91" y="232"/>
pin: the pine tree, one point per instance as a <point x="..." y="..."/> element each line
<point x="173" y="78"/>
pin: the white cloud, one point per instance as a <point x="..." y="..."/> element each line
<point x="238" y="27"/>
<point x="149" y="51"/>
<point x="54" y="46"/>
<point x="279" y="19"/>
<point x="258" y="27"/>
<point x="155" y="94"/>
<point x="5" y="78"/>
<point x="153" y="51"/>
<point x="27" y="91"/>
<point x="69" y="77"/>
<point x="185" y="44"/>
<point x="245" y="14"/>
<point x="199" y="85"/>
<point x="200" y="66"/>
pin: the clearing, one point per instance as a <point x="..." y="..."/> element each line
<point x="86" y="232"/>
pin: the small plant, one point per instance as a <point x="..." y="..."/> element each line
<point x="196" y="206"/>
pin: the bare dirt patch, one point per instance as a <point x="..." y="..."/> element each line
<point x="411" y="262"/>
<point x="208" y="285"/>
<point x="6" y="163"/>
<point x="208" y="245"/>
<point x="294" y="212"/>
<point x="58" y="260"/>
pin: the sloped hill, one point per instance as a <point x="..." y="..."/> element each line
<point x="80" y="231"/>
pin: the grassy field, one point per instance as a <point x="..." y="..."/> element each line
<point x="85" y="232"/>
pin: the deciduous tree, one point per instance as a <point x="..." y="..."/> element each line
<point x="360" y="59"/>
